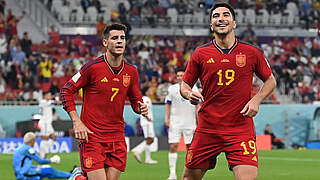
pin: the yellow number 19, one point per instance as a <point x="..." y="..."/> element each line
<point x="229" y="74"/>
<point x="252" y="145"/>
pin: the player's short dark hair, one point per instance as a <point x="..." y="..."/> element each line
<point x="180" y="69"/>
<point x="113" y="26"/>
<point x="223" y="4"/>
<point x="144" y="90"/>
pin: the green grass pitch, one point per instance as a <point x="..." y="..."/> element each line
<point x="273" y="165"/>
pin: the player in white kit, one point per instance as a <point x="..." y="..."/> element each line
<point x="180" y="117"/>
<point x="45" y="124"/>
<point x="148" y="130"/>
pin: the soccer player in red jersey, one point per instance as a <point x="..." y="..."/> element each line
<point x="225" y="67"/>
<point x="106" y="81"/>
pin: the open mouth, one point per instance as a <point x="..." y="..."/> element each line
<point x="221" y="25"/>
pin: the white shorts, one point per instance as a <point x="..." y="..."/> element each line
<point x="46" y="129"/>
<point x="175" y="134"/>
<point x="148" y="130"/>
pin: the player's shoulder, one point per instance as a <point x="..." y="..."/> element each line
<point x="91" y="63"/>
<point x="251" y="47"/>
<point x="204" y="46"/>
<point x="129" y="66"/>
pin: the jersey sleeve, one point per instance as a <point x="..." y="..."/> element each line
<point x="262" y="67"/>
<point x="67" y="92"/>
<point x="134" y="93"/>
<point x="191" y="75"/>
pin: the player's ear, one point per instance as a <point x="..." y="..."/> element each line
<point x="105" y="42"/>
<point x="234" y="24"/>
<point x="211" y="26"/>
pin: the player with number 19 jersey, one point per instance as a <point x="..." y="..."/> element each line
<point x="226" y="78"/>
<point x="105" y="90"/>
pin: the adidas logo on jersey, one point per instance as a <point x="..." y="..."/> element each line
<point x="254" y="158"/>
<point x="104" y="79"/>
<point x="210" y="60"/>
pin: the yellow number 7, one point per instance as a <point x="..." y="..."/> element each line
<point x="115" y="90"/>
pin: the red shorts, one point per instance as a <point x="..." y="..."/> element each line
<point x="205" y="147"/>
<point x="98" y="155"/>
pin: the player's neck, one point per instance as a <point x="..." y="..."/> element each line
<point x="225" y="42"/>
<point x="113" y="60"/>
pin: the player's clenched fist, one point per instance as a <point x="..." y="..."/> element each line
<point x="195" y="97"/>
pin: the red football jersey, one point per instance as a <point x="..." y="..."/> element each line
<point x="226" y="79"/>
<point x="105" y="92"/>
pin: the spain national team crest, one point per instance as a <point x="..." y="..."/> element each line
<point x="126" y="80"/>
<point x="88" y="162"/>
<point x="189" y="156"/>
<point x="241" y="60"/>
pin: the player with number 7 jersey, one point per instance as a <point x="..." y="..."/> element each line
<point x="104" y="95"/>
<point x="107" y="82"/>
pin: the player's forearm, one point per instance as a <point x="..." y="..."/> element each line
<point x="167" y="114"/>
<point x="74" y="116"/>
<point x="267" y="89"/>
<point x="185" y="90"/>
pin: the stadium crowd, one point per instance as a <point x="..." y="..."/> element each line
<point x="153" y="12"/>
<point x="28" y="69"/>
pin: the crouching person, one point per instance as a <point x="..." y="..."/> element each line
<point x="22" y="162"/>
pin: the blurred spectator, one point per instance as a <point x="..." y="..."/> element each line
<point x="147" y="15"/>
<point x="28" y="80"/>
<point x="276" y="142"/>
<point x="2" y="6"/>
<point x="3" y="46"/>
<point x="58" y="68"/>
<point x="46" y="69"/>
<point x="85" y="4"/>
<point x="162" y="90"/>
<point x="32" y="64"/>
<point x="2" y="23"/>
<point x="97" y="5"/>
<point x="54" y="88"/>
<point x="135" y="17"/>
<point x="100" y="27"/>
<point x="17" y="54"/>
<point x="26" y="44"/>
<point x="12" y="23"/>
<point x="78" y="40"/>
<point x="122" y="12"/>
<point x="54" y="36"/>
<point x="12" y="75"/>
<point x="249" y="35"/>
